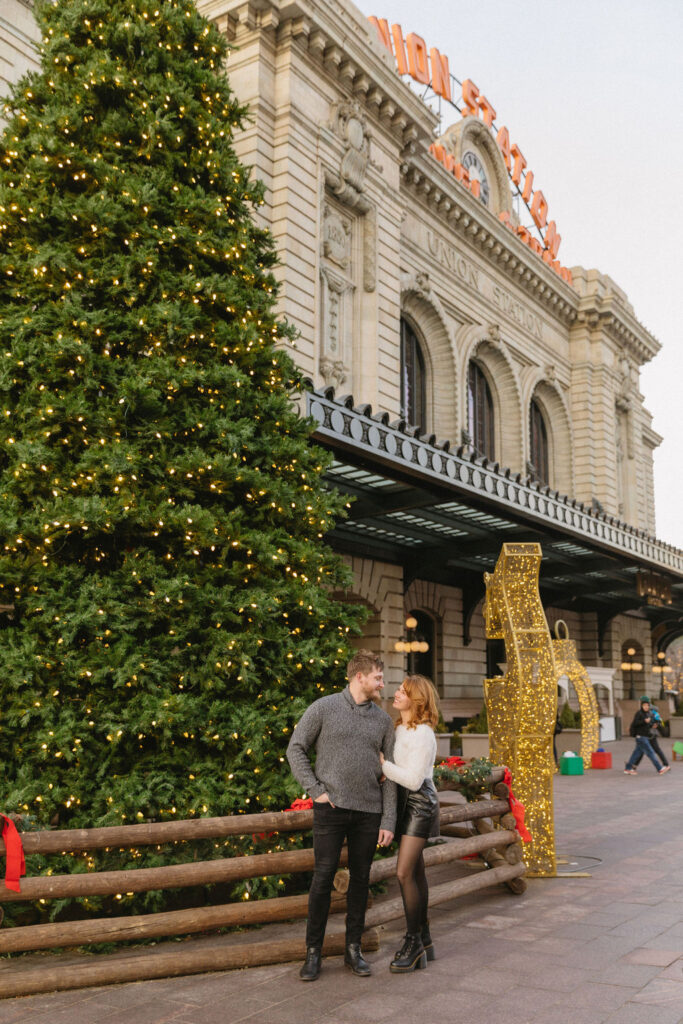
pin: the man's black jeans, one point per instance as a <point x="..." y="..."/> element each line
<point x="331" y="825"/>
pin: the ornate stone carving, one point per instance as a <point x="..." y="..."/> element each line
<point x="420" y="284"/>
<point x="333" y="372"/>
<point x="337" y="319"/>
<point x="336" y="245"/>
<point x="349" y="123"/>
<point x="348" y="183"/>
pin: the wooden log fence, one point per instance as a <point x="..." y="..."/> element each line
<point x="494" y="839"/>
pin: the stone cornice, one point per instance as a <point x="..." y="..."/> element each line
<point x="651" y="438"/>
<point x="458" y="209"/>
<point x="337" y="36"/>
<point x="604" y="307"/>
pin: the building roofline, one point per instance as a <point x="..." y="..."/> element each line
<point x="399" y="447"/>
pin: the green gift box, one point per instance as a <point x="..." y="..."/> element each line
<point x="571" y="764"/>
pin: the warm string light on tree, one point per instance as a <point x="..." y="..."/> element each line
<point x="162" y="506"/>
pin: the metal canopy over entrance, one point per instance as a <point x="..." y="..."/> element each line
<point x="443" y="517"/>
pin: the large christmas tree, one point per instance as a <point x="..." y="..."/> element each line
<point x="161" y="505"/>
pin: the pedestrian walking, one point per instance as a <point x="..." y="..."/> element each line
<point x="348" y="732"/>
<point x="641" y="728"/>
<point x="418" y="812"/>
<point x="655" y="733"/>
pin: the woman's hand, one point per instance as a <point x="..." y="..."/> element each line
<point x="381" y="757"/>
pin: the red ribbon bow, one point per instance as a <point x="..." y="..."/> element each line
<point x="300" y="804"/>
<point x="15" y="865"/>
<point x="517" y="809"/>
<point x="453" y="762"/>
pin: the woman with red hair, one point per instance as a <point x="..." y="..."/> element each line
<point x="418" y="812"/>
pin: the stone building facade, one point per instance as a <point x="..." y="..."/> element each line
<point x="411" y="292"/>
<point x="18" y="38"/>
<point x="378" y="240"/>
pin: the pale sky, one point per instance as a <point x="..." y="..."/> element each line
<point x="592" y="92"/>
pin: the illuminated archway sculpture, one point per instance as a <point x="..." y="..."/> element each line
<point x="568" y="664"/>
<point x="522" y="704"/>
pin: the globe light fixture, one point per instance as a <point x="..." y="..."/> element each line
<point x="411" y="643"/>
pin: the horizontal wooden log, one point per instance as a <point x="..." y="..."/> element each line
<point x="108" y="883"/>
<point x="77" y="840"/>
<point x="143" y="965"/>
<point x="158" y="832"/>
<point x="472" y="811"/>
<point x="460" y="830"/>
<point x="445" y="852"/>
<point x="389" y="910"/>
<point x="151" y="926"/>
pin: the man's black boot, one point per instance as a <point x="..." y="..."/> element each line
<point x="427" y="941"/>
<point x="311" y="967"/>
<point x="353" y="958"/>
<point x="410" y="957"/>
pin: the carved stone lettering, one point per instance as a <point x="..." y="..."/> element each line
<point x="450" y="258"/>
<point x="518" y="312"/>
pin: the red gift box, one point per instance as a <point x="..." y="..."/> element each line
<point x="601" y="759"/>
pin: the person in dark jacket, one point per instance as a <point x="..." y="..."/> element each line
<point x="641" y="728"/>
<point x="654" y="737"/>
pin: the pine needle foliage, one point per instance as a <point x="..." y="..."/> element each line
<point x="162" y="509"/>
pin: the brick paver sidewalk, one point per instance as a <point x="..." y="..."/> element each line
<point x="604" y="949"/>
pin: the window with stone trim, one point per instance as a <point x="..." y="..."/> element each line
<point x="538" y="444"/>
<point x="480" y="417"/>
<point x="413" y="379"/>
<point x="424" y="662"/>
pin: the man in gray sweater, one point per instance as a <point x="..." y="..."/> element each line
<point x="351" y="800"/>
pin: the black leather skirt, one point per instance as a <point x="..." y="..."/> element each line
<point x="418" y="811"/>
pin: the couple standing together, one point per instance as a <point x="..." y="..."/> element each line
<point x="371" y="782"/>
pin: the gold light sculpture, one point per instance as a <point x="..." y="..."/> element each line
<point x="567" y="664"/>
<point x="522" y="704"/>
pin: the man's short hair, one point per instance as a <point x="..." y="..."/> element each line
<point x="364" y="662"/>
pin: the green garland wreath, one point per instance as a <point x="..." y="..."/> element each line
<point x="470" y="779"/>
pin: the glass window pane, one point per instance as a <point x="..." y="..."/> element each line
<point x="538" y="443"/>
<point x="480" y="412"/>
<point x="413" y="379"/>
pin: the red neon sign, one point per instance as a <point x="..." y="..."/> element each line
<point x="430" y="66"/>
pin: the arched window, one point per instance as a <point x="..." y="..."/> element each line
<point x="538" y="443"/>
<point x="424" y="662"/>
<point x="479" y="411"/>
<point x="413" y="379"/>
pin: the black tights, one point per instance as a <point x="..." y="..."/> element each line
<point x="410" y="872"/>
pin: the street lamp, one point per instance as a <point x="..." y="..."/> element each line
<point x="411" y="643"/>
<point x="631" y="666"/>
<point x="660" y="669"/>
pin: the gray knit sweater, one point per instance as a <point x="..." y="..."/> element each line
<point x="347" y="738"/>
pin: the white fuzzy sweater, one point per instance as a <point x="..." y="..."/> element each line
<point x="414" y="756"/>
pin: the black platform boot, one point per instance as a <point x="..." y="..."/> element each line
<point x="427" y="941"/>
<point x="411" y="956"/>
<point x="311" y="967"/>
<point x="353" y="959"/>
